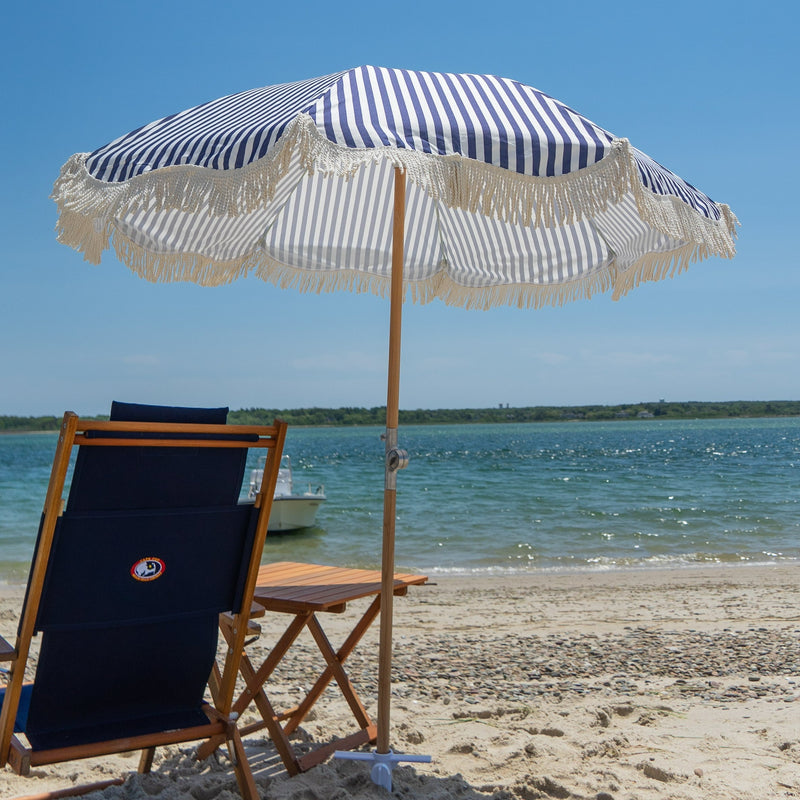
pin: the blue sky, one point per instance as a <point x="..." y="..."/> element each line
<point x="708" y="89"/>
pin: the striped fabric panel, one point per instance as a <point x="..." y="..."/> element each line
<point x="332" y="225"/>
<point x="493" y="120"/>
<point x="224" y="134"/>
<point x="482" y="252"/>
<point x="355" y="235"/>
<point x="219" y="238"/>
<point x="329" y="224"/>
<point x="628" y="236"/>
<point x="661" y="181"/>
<point x="489" y="119"/>
<point x="176" y="233"/>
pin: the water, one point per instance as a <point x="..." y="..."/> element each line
<point x="499" y="499"/>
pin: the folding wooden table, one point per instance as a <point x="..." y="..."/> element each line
<point x="305" y="590"/>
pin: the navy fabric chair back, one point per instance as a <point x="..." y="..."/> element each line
<point x="152" y="547"/>
<point x="155" y="477"/>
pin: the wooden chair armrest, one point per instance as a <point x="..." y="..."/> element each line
<point x="256" y="610"/>
<point x="253" y="628"/>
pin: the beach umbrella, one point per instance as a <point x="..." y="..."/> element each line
<point x="475" y="190"/>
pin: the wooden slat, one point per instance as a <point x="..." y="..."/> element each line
<point x="289" y="607"/>
<point x="267" y="434"/>
<point x="288" y="570"/>
<point x="41" y="757"/>
<point x="120" y="426"/>
<point x="347" y="743"/>
<point x="219" y="443"/>
<point x="325" y="599"/>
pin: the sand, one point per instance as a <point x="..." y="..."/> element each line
<point x="610" y="686"/>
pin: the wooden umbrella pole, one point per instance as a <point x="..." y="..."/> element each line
<point x="389" y="492"/>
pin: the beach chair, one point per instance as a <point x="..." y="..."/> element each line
<point x="127" y="586"/>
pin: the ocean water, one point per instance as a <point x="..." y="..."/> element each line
<point x="500" y="499"/>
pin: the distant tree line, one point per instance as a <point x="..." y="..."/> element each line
<point x="351" y="415"/>
<point x="443" y="416"/>
<point x="21" y="424"/>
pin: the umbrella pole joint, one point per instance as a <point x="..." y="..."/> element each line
<point x="396" y="459"/>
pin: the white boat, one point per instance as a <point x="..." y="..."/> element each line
<point x="290" y="511"/>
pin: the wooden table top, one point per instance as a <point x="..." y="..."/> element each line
<point x="294" y="588"/>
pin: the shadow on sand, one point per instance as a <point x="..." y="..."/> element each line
<point x="178" y="776"/>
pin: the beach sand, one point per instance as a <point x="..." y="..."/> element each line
<point x="611" y="686"/>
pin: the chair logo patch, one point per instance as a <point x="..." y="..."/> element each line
<point x="148" y="569"/>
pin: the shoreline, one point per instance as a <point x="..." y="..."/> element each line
<point x="536" y="574"/>
<point x="678" y="566"/>
<point x="533" y="577"/>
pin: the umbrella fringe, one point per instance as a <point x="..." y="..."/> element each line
<point x="437" y="287"/>
<point x="177" y="267"/>
<point x="86" y="218"/>
<point x="195" y="268"/>
<point x="81" y="233"/>
<point x="87" y="206"/>
<point x="657" y="266"/>
<point x="672" y="217"/>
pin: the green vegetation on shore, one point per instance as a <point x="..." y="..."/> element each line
<point x="444" y="416"/>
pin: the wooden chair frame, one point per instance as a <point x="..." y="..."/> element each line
<point x="74" y="431"/>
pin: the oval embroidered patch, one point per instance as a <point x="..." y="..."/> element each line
<point x="148" y="569"/>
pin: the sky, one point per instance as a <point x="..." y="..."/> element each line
<point x="707" y="89"/>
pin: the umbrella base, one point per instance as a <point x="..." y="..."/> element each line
<point x="382" y="764"/>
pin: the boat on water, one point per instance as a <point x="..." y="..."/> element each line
<point x="291" y="510"/>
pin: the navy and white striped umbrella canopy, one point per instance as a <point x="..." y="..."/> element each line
<point x="511" y="196"/>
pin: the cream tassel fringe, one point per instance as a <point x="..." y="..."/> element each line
<point x="87" y="209"/>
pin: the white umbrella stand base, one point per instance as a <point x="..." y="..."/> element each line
<point x="382" y="764"/>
